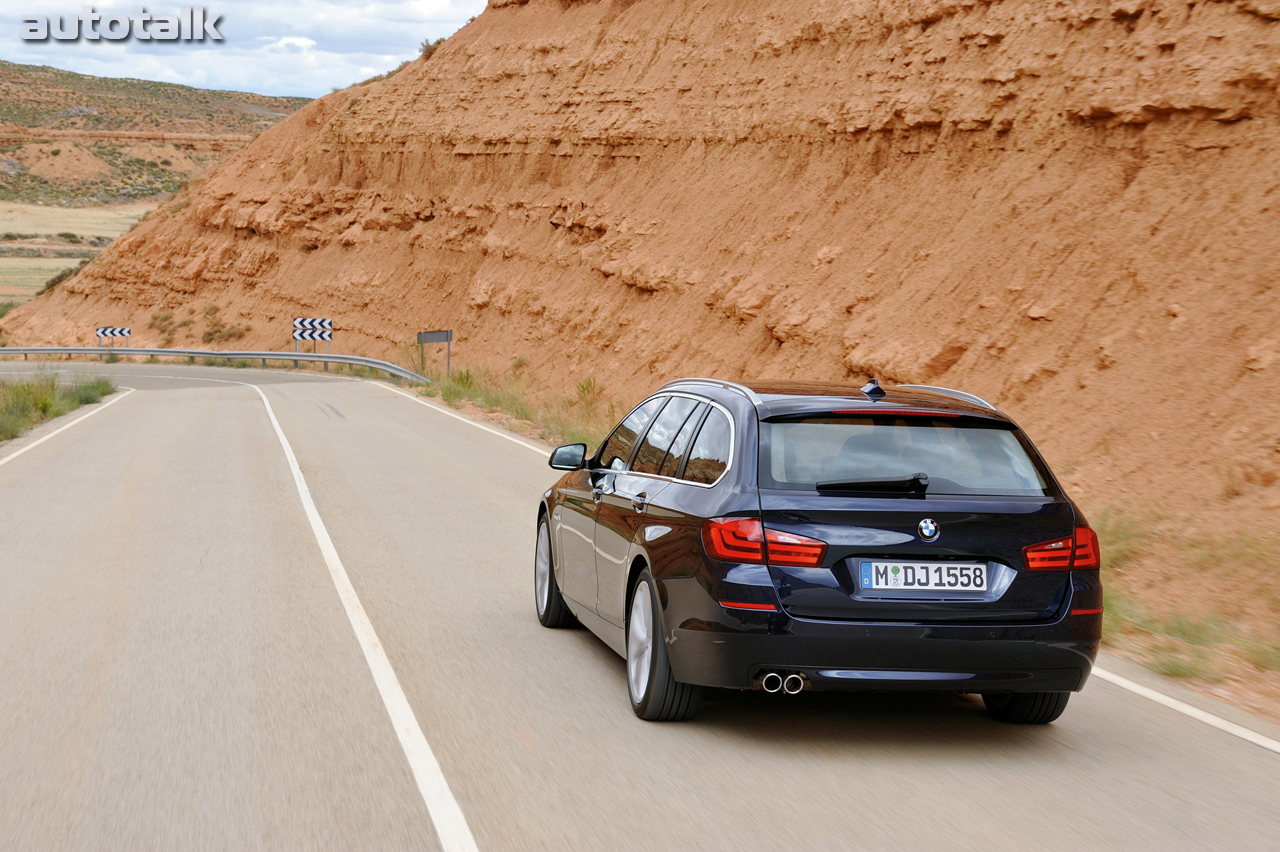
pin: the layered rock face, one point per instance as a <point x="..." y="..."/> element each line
<point x="1069" y="206"/>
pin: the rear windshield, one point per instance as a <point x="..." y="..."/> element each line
<point x="958" y="456"/>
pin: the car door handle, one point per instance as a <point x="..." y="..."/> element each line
<point x="638" y="502"/>
<point x="597" y="494"/>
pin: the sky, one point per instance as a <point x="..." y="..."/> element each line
<point x="305" y="47"/>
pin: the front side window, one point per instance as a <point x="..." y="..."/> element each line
<point x="653" y="449"/>
<point x="617" y="449"/>
<point x="958" y="456"/>
<point x="709" y="457"/>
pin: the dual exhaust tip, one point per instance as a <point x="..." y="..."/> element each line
<point x="773" y="682"/>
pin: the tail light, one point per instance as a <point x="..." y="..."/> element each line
<point x="734" y="539"/>
<point x="1088" y="556"/>
<point x="791" y="549"/>
<point x="1076" y="552"/>
<point x="747" y="540"/>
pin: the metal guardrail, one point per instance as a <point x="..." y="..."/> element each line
<point x="295" y="357"/>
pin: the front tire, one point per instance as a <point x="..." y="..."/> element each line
<point x="1026" y="708"/>
<point x="552" y="610"/>
<point x="655" y="694"/>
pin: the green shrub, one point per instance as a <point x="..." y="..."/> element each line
<point x="42" y="396"/>
<point x="60" y="277"/>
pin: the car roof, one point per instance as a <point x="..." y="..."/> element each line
<point x="783" y="397"/>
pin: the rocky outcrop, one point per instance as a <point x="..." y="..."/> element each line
<point x="1070" y="206"/>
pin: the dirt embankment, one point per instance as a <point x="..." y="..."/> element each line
<point x="1071" y="208"/>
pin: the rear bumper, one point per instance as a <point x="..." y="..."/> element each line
<point x="712" y="646"/>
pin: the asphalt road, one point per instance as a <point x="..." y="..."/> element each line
<point x="177" y="670"/>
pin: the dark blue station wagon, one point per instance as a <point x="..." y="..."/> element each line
<point x="788" y="536"/>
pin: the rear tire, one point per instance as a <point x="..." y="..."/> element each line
<point x="551" y="608"/>
<point x="1026" y="708"/>
<point x="656" y="696"/>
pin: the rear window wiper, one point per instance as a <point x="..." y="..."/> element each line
<point x="916" y="483"/>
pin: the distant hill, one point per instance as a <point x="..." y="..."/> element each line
<point x="36" y="96"/>
<point x="74" y="140"/>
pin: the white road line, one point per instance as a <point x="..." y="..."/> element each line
<point x="450" y="823"/>
<point x="512" y="438"/>
<point x="1187" y="710"/>
<point x="57" y="432"/>
<point x="447" y="817"/>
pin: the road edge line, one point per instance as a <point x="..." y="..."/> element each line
<point x="62" y="429"/>
<point x="1187" y="710"/>
<point x="512" y="438"/>
<point x="446" y="815"/>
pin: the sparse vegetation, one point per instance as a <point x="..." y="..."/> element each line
<point x="1178" y="645"/>
<point x="58" y="101"/>
<point x="578" y="416"/>
<point x="29" y="401"/>
<point x="1264" y="655"/>
<point x="69" y="272"/>
<point x="429" y="47"/>
<point x="1185" y="666"/>
<point x="217" y="331"/>
<point x="5" y="307"/>
<point x="164" y="323"/>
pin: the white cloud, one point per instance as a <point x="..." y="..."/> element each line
<point x="275" y="48"/>
<point x="296" y="42"/>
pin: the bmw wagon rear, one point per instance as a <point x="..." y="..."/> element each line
<point x="856" y="539"/>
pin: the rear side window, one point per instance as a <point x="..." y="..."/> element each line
<point x="675" y="455"/>
<point x="617" y="449"/>
<point x="653" y="449"/>
<point x="709" y="457"/>
<point x="958" y="456"/>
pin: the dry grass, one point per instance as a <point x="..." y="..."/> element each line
<point x="217" y="331"/>
<point x="105" y="220"/>
<point x="1208" y="648"/>
<point x="22" y="277"/>
<point x="43" y="396"/>
<point x="582" y="415"/>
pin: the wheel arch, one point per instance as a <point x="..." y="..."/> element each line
<point x="638" y="564"/>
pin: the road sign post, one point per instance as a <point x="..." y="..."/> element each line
<point x="313" y="330"/>
<point x="111" y="333"/>
<point x="445" y="337"/>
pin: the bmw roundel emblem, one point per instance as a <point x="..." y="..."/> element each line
<point x="928" y="529"/>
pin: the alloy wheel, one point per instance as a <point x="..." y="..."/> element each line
<point x="640" y="643"/>
<point x="542" y="569"/>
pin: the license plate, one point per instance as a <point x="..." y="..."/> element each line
<point x="925" y="576"/>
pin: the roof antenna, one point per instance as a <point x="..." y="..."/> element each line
<point x="873" y="390"/>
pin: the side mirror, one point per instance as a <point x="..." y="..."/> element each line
<point x="569" y="457"/>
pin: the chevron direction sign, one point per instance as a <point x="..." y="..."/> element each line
<point x="111" y="331"/>
<point x="312" y="334"/>
<point x="312" y="329"/>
